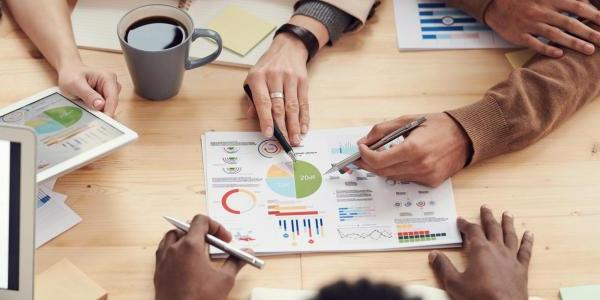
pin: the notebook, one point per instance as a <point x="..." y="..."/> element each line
<point x="95" y="23"/>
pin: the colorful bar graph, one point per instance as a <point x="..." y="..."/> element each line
<point x="438" y="21"/>
<point x="312" y="227"/>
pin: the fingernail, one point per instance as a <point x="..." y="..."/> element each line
<point x="432" y="256"/>
<point x="296" y="139"/>
<point x="269" y="132"/>
<point x="98" y="103"/>
<point x="460" y="219"/>
<point x="529" y="234"/>
<point x="304" y="128"/>
<point x="508" y="214"/>
<point x="589" y="48"/>
<point x="557" y="52"/>
<point x="485" y="206"/>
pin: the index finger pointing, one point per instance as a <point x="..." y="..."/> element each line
<point x="262" y="105"/>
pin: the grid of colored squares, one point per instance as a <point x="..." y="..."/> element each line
<point x="441" y="22"/>
<point x="418" y="236"/>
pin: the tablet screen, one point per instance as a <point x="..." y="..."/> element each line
<point x="64" y="129"/>
<point x="10" y="188"/>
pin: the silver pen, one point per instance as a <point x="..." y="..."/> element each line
<point x="214" y="241"/>
<point x="384" y="141"/>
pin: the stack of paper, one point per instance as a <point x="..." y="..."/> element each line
<point x="53" y="215"/>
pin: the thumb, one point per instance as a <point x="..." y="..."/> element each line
<point x="89" y="96"/>
<point x="443" y="268"/>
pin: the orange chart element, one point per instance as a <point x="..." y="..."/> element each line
<point x="238" y="201"/>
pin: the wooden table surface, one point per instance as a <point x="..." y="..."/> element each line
<point x="552" y="188"/>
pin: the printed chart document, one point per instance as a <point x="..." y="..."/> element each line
<point x="433" y="24"/>
<point x="53" y="216"/>
<point x="274" y="207"/>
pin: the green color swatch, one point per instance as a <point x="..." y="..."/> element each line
<point x="66" y="115"/>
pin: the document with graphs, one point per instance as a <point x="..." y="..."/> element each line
<point x="275" y="206"/>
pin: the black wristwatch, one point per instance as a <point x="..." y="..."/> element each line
<point x="307" y="38"/>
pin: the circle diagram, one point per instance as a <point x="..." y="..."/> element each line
<point x="269" y="148"/>
<point x="238" y="201"/>
<point x="298" y="180"/>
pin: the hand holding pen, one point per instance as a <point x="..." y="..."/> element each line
<point x="429" y="155"/>
<point x="184" y="271"/>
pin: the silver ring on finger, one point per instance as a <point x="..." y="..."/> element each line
<point x="277" y="96"/>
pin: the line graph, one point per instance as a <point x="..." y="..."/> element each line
<point x="368" y="233"/>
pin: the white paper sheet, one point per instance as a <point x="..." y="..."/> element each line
<point x="272" y="207"/>
<point x="52" y="219"/>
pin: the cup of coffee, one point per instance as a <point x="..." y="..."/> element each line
<point x="156" y="41"/>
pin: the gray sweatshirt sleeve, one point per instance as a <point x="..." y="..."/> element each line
<point x="336" y="20"/>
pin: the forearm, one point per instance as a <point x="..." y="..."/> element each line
<point x="48" y="25"/>
<point x="531" y="103"/>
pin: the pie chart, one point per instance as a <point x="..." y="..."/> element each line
<point x="298" y="180"/>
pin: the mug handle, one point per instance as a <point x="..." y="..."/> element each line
<point x="211" y="34"/>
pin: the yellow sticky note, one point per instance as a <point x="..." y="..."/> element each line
<point x="241" y="31"/>
<point x="518" y="58"/>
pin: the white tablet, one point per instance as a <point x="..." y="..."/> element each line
<point x="69" y="134"/>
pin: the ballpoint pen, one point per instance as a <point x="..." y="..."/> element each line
<point x="276" y="131"/>
<point x="384" y="141"/>
<point x="214" y="241"/>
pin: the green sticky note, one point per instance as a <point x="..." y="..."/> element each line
<point x="584" y="292"/>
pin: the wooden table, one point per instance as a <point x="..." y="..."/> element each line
<point x="552" y="188"/>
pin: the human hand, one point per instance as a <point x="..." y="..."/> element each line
<point x="429" y="155"/>
<point x="520" y="21"/>
<point x="183" y="270"/>
<point x="497" y="265"/>
<point x="281" y="69"/>
<point x="98" y="90"/>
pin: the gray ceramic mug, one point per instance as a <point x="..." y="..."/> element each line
<point x="157" y="75"/>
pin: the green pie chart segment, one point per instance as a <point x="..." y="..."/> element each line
<point x="299" y="180"/>
<point x="66" y="115"/>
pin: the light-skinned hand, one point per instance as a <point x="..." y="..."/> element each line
<point x="497" y="265"/>
<point x="98" y="89"/>
<point x="522" y="21"/>
<point x="429" y="155"/>
<point x="183" y="269"/>
<point x="281" y="69"/>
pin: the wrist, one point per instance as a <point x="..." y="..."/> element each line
<point x="68" y="61"/>
<point x="287" y="40"/>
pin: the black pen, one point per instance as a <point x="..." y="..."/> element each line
<point x="276" y="131"/>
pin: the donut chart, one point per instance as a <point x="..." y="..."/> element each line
<point x="238" y="201"/>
